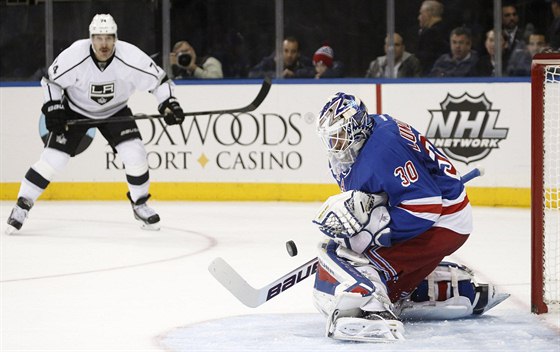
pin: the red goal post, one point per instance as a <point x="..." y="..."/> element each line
<point x="545" y="182"/>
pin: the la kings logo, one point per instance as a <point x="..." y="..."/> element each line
<point x="465" y="127"/>
<point x="102" y="93"/>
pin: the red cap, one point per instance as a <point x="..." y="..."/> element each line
<point x="324" y="54"/>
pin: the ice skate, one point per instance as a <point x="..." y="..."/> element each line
<point x="18" y="215"/>
<point x="145" y="214"/>
<point x="371" y="327"/>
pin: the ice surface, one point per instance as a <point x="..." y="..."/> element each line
<point x="303" y="332"/>
<point x="82" y="276"/>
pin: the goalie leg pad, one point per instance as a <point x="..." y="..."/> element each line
<point x="344" y="281"/>
<point x="351" y="294"/>
<point x="449" y="292"/>
<point x="336" y="274"/>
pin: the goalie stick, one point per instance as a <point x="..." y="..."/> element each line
<point x="263" y="92"/>
<point x="252" y="297"/>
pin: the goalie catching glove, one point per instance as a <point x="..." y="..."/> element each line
<point x="356" y="219"/>
<point x="171" y="111"/>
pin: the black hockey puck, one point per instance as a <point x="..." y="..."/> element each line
<point x="291" y="248"/>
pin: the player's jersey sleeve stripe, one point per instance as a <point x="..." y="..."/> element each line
<point x="422" y="208"/>
<point x="49" y="90"/>
<point x="456" y="214"/>
<point x="460" y="221"/>
<point x="425" y="200"/>
<point x="429" y="205"/>
<point x="454" y="206"/>
<point x="436" y="204"/>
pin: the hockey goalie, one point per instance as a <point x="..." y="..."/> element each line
<point x="402" y="210"/>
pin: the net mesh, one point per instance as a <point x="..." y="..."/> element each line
<point x="551" y="179"/>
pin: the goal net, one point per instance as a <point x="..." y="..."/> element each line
<point x="545" y="182"/>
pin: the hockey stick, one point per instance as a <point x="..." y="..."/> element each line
<point x="263" y="92"/>
<point x="477" y="171"/>
<point x="252" y="297"/>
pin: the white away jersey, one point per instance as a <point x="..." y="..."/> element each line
<point x="97" y="93"/>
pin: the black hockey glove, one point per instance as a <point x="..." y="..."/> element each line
<point x="55" y="116"/>
<point x="173" y="114"/>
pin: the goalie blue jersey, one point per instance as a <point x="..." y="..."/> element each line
<point x="423" y="187"/>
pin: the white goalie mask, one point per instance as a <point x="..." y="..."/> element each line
<point x="343" y="127"/>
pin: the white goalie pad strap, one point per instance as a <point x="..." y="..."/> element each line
<point x="447" y="272"/>
<point x="346" y="214"/>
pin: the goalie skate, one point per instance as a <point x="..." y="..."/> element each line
<point x="374" y="327"/>
<point x="145" y="214"/>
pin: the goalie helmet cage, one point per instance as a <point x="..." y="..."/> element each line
<point x="545" y="182"/>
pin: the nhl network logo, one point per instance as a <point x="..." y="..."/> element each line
<point x="465" y="127"/>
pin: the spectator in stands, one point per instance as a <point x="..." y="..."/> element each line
<point x="554" y="29"/>
<point x="325" y="65"/>
<point x="406" y="64"/>
<point x="185" y="64"/>
<point x="294" y="64"/>
<point x="510" y="26"/>
<point x="537" y="43"/>
<point x="462" y="60"/>
<point x="432" y="39"/>
<point x="486" y="65"/>
<point x="520" y="61"/>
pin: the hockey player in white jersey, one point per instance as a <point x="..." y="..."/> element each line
<point x="94" y="78"/>
<point x="403" y="208"/>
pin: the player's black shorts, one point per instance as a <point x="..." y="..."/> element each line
<point x="114" y="133"/>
